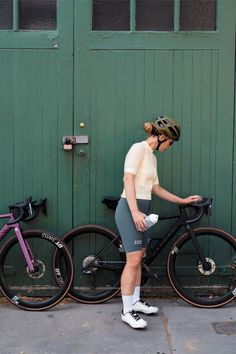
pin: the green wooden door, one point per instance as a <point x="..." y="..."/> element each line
<point x="125" y="75"/>
<point x="36" y="105"/>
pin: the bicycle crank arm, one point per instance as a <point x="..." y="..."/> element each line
<point x="94" y="267"/>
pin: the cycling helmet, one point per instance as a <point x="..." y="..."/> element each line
<point x="167" y="126"/>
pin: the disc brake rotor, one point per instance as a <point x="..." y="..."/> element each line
<point x="39" y="270"/>
<point x="209" y="271"/>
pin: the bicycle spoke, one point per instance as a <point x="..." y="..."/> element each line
<point x="98" y="264"/>
<point x="211" y="283"/>
<point x="46" y="285"/>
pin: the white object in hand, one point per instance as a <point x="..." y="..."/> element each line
<point x="151" y="220"/>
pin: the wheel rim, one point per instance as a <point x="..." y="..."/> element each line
<point x="44" y="287"/>
<point x="206" y="287"/>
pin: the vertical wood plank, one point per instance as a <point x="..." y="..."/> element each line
<point x="15" y="15"/>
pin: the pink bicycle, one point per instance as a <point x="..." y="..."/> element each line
<point x="29" y="276"/>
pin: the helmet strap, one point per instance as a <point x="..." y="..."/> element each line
<point x="159" y="143"/>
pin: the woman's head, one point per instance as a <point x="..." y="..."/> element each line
<point x="166" y="129"/>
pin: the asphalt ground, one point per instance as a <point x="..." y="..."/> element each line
<point x="74" y="328"/>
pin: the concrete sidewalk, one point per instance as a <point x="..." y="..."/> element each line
<point x="73" y="328"/>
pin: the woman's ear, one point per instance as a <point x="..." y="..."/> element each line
<point x="161" y="137"/>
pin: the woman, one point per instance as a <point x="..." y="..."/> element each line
<point x="140" y="181"/>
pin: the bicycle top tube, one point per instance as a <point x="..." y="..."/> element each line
<point x="4" y="216"/>
<point x="11" y="222"/>
<point x="6" y="228"/>
<point x="202" y="207"/>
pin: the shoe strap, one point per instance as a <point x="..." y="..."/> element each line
<point x="144" y="303"/>
<point x="135" y="315"/>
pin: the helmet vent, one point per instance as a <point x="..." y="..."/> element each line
<point x="178" y="131"/>
<point x="173" y="131"/>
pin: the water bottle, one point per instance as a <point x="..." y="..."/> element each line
<point x="151" y="220"/>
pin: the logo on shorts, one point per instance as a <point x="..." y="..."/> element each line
<point x="138" y="242"/>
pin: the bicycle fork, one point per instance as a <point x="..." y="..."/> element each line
<point x="206" y="265"/>
<point x="25" y="249"/>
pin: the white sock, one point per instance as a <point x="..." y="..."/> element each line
<point x="127" y="303"/>
<point x="136" y="294"/>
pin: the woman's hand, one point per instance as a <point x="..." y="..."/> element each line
<point x="191" y="199"/>
<point x="139" y="220"/>
<point x="164" y="194"/>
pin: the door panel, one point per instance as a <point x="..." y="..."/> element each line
<point x="123" y="79"/>
<point x="36" y="103"/>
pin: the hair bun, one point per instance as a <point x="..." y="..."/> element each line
<point x="148" y="127"/>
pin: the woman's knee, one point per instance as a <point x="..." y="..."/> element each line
<point x="133" y="260"/>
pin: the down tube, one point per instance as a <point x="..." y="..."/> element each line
<point x="166" y="239"/>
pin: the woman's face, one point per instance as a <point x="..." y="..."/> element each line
<point x="166" y="143"/>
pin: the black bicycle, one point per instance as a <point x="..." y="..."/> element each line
<point x="201" y="263"/>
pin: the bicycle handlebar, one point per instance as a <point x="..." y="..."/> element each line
<point x="27" y="210"/>
<point x="202" y="207"/>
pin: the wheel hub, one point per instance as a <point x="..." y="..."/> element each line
<point x="210" y="263"/>
<point x="88" y="264"/>
<point x="39" y="270"/>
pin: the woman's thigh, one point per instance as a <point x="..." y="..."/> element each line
<point x="133" y="240"/>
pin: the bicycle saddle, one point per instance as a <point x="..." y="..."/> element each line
<point x="111" y="202"/>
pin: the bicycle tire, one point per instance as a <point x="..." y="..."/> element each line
<point x="205" y="288"/>
<point x="48" y="285"/>
<point x="100" y="281"/>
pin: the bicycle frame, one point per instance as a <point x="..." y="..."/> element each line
<point x="167" y="237"/>
<point x="182" y="221"/>
<point x="23" y="244"/>
<point x="159" y="247"/>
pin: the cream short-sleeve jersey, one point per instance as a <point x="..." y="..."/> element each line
<point x="141" y="162"/>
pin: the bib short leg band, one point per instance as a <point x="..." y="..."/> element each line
<point x="132" y="239"/>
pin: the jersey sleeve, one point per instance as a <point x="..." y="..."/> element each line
<point x="134" y="158"/>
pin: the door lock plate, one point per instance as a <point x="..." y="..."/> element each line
<point x="75" y="139"/>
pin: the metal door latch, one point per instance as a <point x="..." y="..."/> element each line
<point x="69" y="141"/>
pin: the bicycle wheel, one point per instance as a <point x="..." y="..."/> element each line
<point x="207" y="287"/>
<point x="98" y="260"/>
<point x="47" y="285"/>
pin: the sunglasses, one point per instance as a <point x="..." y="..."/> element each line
<point x="170" y="141"/>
